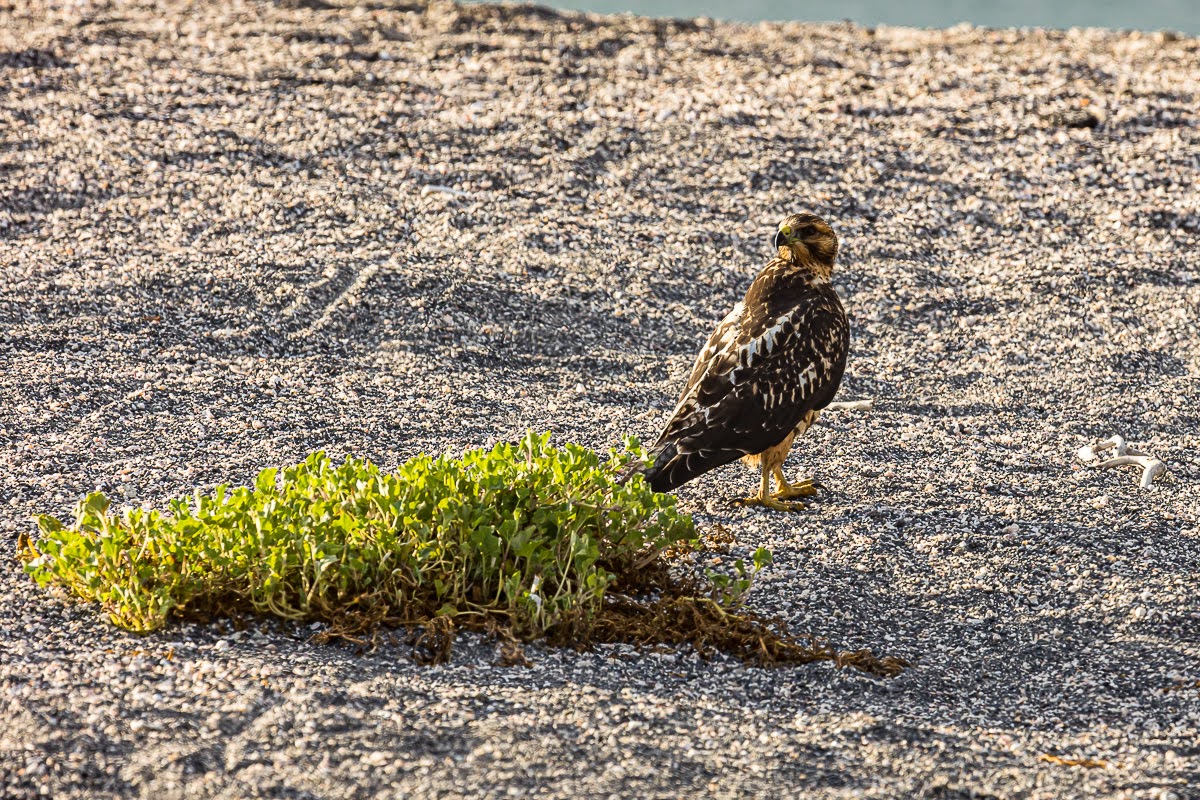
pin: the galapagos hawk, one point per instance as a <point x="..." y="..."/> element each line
<point x="765" y="373"/>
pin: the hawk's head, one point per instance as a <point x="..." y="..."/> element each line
<point x="807" y="237"/>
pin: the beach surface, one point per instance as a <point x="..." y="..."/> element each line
<point x="235" y="233"/>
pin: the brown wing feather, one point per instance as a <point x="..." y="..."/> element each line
<point x="722" y="337"/>
<point x="764" y="367"/>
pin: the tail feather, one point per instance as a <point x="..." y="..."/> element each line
<point x="671" y="468"/>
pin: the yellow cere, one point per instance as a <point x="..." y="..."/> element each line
<point x="786" y="230"/>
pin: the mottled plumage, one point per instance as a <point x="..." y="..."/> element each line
<point x="771" y="364"/>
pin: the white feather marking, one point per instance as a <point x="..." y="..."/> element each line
<point x="763" y="344"/>
<point x="771" y="334"/>
<point x="728" y="329"/>
<point x="807" y="376"/>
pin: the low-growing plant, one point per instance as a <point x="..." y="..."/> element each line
<point x="526" y="539"/>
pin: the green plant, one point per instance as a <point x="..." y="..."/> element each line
<point x="526" y="533"/>
<point x="525" y="539"/>
<point x="731" y="590"/>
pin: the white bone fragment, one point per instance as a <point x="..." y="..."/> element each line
<point x="851" y="405"/>
<point x="1123" y="454"/>
<point x="450" y="190"/>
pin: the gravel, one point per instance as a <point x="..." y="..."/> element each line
<point x="231" y="234"/>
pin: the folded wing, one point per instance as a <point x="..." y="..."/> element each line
<point x="763" y="369"/>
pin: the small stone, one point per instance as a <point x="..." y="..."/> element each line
<point x="1075" y="118"/>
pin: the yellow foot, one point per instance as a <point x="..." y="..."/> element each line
<point x="790" y="491"/>
<point x="769" y="502"/>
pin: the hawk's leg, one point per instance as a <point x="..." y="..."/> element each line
<point x="764" y="497"/>
<point x="790" y="491"/>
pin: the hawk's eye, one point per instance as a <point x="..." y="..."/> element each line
<point x="808" y="230"/>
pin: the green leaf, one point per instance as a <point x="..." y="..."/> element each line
<point x="48" y="525"/>
<point x="265" y="482"/>
<point x="762" y="558"/>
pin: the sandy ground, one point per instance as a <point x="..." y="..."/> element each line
<point x="234" y="233"/>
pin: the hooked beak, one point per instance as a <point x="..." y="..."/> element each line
<point x="780" y="240"/>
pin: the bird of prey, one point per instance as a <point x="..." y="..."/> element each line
<point x="765" y="373"/>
